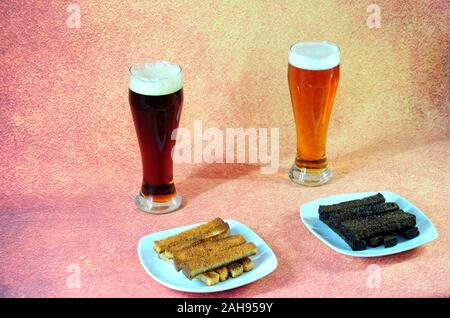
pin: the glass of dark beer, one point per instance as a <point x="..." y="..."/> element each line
<point x="155" y="93"/>
<point x="313" y="76"/>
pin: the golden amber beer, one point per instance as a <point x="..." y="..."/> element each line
<point x="313" y="75"/>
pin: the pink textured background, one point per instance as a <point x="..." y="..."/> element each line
<point x="70" y="163"/>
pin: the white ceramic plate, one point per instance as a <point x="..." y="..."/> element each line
<point x="309" y="213"/>
<point x="164" y="272"/>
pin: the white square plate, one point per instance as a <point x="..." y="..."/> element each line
<point x="309" y="213"/>
<point x="265" y="262"/>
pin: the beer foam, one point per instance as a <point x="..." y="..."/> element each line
<point x="314" y="55"/>
<point x="155" y="78"/>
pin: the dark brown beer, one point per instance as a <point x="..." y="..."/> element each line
<point x="155" y="93"/>
<point x="155" y="118"/>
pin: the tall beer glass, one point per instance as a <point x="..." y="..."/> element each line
<point x="313" y="75"/>
<point x="155" y="93"/>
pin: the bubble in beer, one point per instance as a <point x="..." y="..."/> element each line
<point x="155" y="78"/>
<point x="314" y="55"/>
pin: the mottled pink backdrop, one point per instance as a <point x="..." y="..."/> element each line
<point x="70" y="164"/>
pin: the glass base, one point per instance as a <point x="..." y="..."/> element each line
<point x="309" y="177"/>
<point x="147" y="204"/>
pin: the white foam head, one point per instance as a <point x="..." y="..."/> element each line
<point x="155" y="78"/>
<point x="314" y="55"/>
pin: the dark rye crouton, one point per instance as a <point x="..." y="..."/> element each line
<point x="373" y="199"/>
<point x="375" y="241"/>
<point x="359" y="211"/>
<point x="382" y="224"/>
<point x="410" y="233"/>
<point x="390" y="240"/>
<point x="355" y="244"/>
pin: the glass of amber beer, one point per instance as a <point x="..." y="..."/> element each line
<point x="155" y="93"/>
<point x="313" y="76"/>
